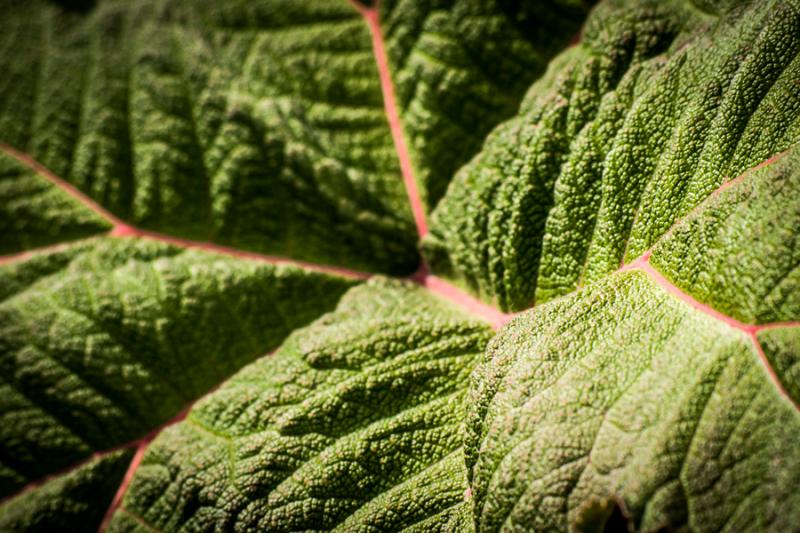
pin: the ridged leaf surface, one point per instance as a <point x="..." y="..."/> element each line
<point x="637" y="393"/>
<point x="354" y="424"/>
<point x="658" y="106"/>
<point x="621" y="395"/>
<point x="261" y="124"/>
<point x="36" y="213"/>
<point x="462" y="66"/>
<point x="74" y="501"/>
<point x="102" y="342"/>
<point x="255" y="124"/>
<point x="638" y="200"/>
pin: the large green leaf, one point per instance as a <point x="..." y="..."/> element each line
<point x="256" y="124"/>
<point x="656" y="108"/>
<point x="462" y="66"/>
<point x="137" y="374"/>
<point x="630" y="393"/>
<point x="355" y="424"/>
<point x="107" y="339"/>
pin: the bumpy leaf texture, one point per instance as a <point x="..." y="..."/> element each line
<point x="261" y="124"/>
<point x="624" y="394"/>
<point x="654" y="109"/>
<point x="354" y="423"/>
<point x="461" y="66"/>
<point x="107" y="339"/>
<point x="636" y="193"/>
<point x="36" y="213"/>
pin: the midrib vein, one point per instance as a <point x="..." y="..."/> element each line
<point x="371" y="17"/>
<point x="751" y="330"/>
<point x="423" y="277"/>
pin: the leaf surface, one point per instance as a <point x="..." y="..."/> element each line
<point x="739" y="251"/>
<point x="623" y="395"/>
<point x="74" y="501"/>
<point x="632" y="393"/>
<point x="104" y="341"/>
<point x="658" y="106"/>
<point x="258" y="125"/>
<point x="462" y="66"/>
<point x="36" y="213"/>
<point x="261" y="124"/>
<point x="781" y="347"/>
<point x="354" y="424"/>
<point x="646" y="197"/>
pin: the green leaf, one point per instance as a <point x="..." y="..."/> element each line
<point x="259" y="125"/>
<point x="36" y="213"/>
<point x="646" y="196"/>
<point x="781" y="347"/>
<point x="102" y="342"/>
<point x="354" y="424"/>
<point x="74" y="501"/>
<point x="622" y="393"/>
<point x="462" y="66"/>
<point x="633" y="393"/>
<point x="627" y="132"/>
<point x="740" y="251"/>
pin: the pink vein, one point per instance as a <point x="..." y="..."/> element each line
<point x="436" y="285"/>
<point x="62" y="184"/>
<point x="125" y="230"/>
<point x="371" y="16"/>
<point x="22" y="256"/>
<point x="707" y="200"/>
<point x="141" y="446"/>
<point x="751" y="330"/>
<point x="446" y="290"/>
<point x="137" y="443"/>
<point x="121" y="229"/>
<point x="123" y="486"/>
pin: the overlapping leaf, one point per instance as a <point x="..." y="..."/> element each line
<point x="355" y="424"/>
<point x="658" y="106"/>
<point x="107" y="339"/>
<point x="624" y="395"/>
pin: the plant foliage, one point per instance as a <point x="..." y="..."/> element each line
<point x="634" y="195"/>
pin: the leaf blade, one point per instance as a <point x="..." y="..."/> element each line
<point x="324" y="436"/>
<point x="118" y="337"/>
